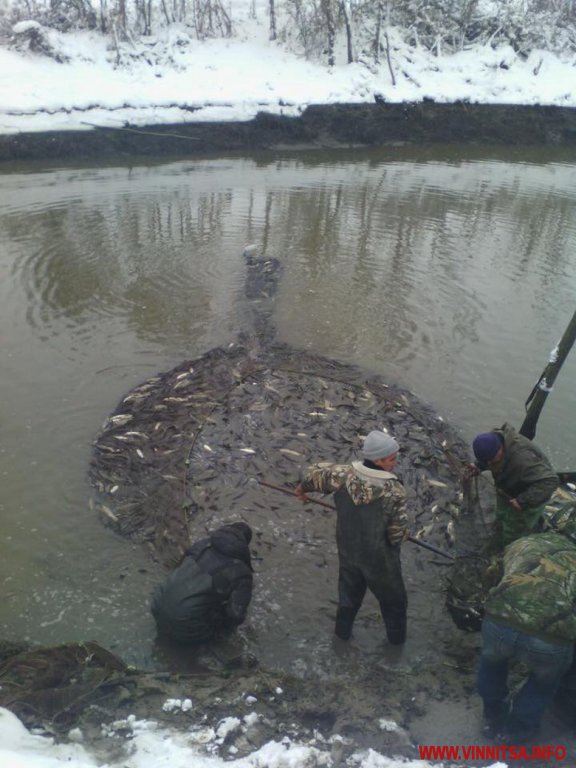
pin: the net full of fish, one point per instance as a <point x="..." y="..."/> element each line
<point x="182" y="452"/>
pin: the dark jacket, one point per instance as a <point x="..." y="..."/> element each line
<point x="524" y="473"/>
<point x="210" y="590"/>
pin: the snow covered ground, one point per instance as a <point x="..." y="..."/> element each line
<point x="146" y="745"/>
<point x="175" y="78"/>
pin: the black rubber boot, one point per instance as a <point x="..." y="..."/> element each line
<point x="394" y="616"/>
<point x="494" y="718"/>
<point x="344" y="622"/>
<point x="396" y="630"/>
<point x="395" y="622"/>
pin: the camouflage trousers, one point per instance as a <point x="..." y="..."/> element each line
<point x="512" y="524"/>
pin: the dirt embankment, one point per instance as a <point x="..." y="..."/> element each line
<point x="341" y="125"/>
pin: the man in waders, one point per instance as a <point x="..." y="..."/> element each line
<point x="210" y="590"/>
<point x="523" y="477"/>
<point x="371" y="525"/>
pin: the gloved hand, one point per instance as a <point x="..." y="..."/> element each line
<point x="300" y="494"/>
<point x="470" y="471"/>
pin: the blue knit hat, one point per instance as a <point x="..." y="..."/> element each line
<point x="486" y="446"/>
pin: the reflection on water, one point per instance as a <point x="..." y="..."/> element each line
<point x="450" y="273"/>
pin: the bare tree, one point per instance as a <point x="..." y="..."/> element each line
<point x="328" y="13"/>
<point x="211" y="19"/>
<point x="346" y="9"/>
<point x="272" y="9"/>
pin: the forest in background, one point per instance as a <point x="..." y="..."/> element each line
<point x="329" y="31"/>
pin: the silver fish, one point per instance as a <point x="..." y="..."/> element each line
<point x="437" y="483"/>
<point x="120" y="419"/>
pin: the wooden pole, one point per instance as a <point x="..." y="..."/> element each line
<point x="411" y="539"/>
<point x="544" y="385"/>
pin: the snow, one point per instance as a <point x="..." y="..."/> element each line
<point x="174" y="78"/>
<point x="150" y="746"/>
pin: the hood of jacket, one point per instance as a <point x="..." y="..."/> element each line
<point x="232" y="540"/>
<point x="365" y="484"/>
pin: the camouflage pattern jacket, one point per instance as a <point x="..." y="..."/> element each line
<point x="524" y="473"/>
<point x="537" y="593"/>
<point x="378" y="496"/>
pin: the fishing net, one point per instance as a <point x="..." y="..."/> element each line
<point x="182" y="451"/>
<point x="179" y="452"/>
<point x="52" y="686"/>
<point x="468" y="583"/>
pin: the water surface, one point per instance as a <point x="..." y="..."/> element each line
<point x="449" y="271"/>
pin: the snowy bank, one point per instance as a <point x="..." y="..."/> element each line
<point x="178" y="80"/>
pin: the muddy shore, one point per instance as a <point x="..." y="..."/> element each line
<point x="322" y="126"/>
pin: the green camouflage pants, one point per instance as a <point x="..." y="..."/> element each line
<point x="511" y="524"/>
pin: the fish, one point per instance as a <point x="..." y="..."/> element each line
<point x="182" y="383"/>
<point x="107" y="512"/>
<point x="454" y="511"/>
<point x="425" y="531"/>
<point x="107" y="448"/>
<point x="135" y="396"/>
<point x="120" y="419"/>
<point x="247" y="450"/>
<point x="437" y="483"/>
<point x="289" y="452"/>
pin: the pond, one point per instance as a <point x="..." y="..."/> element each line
<point x="449" y="271"/>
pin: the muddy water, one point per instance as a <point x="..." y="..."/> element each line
<point x="450" y="273"/>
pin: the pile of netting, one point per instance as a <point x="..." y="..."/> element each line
<point x="50" y="687"/>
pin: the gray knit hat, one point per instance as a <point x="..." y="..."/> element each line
<point x="379" y="445"/>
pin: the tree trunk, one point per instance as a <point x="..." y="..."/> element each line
<point x="347" y="13"/>
<point x="326" y="6"/>
<point x="272" y="7"/>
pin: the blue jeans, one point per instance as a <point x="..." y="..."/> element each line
<point x="546" y="662"/>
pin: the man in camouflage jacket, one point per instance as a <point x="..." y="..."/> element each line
<point x="530" y="616"/>
<point x="523" y="477"/>
<point x="372" y="523"/>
